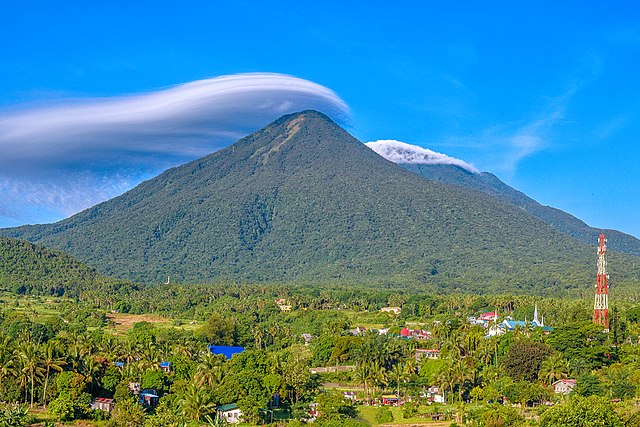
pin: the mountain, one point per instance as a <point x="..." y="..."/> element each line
<point x="29" y="268"/>
<point x="302" y="200"/>
<point x="442" y="168"/>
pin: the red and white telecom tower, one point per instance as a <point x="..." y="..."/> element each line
<point x="601" y="304"/>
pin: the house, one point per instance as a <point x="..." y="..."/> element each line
<point x="429" y="354"/>
<point x="390" y="399"/>
<point x="359" y="330"/>
<point x="103" y="404"/>
<point x="226" y="350"/>
<point x="434" y="395"/>
<point x="283" y="304"/>
<point x="488" y="316"/>
<point x="135" y="388"/>
<point x="230" y="413"/>
<point x="307" y="338"/>
<point x="383" y="331"/>
<point x="350" y="395"/>
<point x="149" y="398"/>
<point x="118" y="364"/>
<point x="563" y="386"/>
<point x="391" y="310"/>
<point x="165" y="367"/>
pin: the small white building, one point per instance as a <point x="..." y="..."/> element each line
<point x="428" y="354"/>
<point x="391" y="310"/>
<point x="230" y="413"/>
<point x="563" y="386"/>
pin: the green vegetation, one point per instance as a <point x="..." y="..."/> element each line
<point x="26" y="268"/>
<point x="58" y="353"/>
<point x="490" y="184"/>
<point x="303" y="202"/>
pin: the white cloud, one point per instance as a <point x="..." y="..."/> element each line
<point x="69" y="156"/>
<point x="403" y="153"/>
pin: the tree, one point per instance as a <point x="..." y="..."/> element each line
<point x="51" y="361"/>
<point x="579" y="412"/>
<point x="588" y="385"/>
<point x="127" y="413"/>
<point x="553" y="368"/>
<point x="196" y="403"/>
<point x="29" y="355"/>
<point x="524" y="358"/>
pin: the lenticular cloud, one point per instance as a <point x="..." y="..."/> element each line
<point x="67" y="157"/>
<point x="403" y="153"/>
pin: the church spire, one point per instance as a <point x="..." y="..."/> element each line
<point x="535" y="317"/>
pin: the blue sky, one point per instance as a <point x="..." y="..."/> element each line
<point x="544" y="95"/>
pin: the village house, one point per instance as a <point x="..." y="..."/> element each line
<point x="390" y="399"/>
<point x="391" y="310"/>
<point x="563" y="386"/>
<point x="428" y="354"/>
<point x="149" y="398"/>
<point x="230" y="413"/>
<point x="416" y="334"/>
<point x="434" y="395"/>
<point x="307" y="338"/>
<point x="165" y="367"/>
<point x="103" y="404"/>
<point x="283" y="304"/>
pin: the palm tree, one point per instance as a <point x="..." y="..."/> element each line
<point x="50" y="361"/>
<point x="30" y="357"/>
<point x="7" y="366"/>
<point x="90" y="368"/>
<point x="553" y="368"/>
<point x="196" y="403"/>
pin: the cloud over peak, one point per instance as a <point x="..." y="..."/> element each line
<point x="403" y="153"/>
<point x="69" y="156"/>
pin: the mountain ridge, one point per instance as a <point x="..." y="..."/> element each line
<point x="302" y="200"/>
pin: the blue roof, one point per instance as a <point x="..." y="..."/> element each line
<point x="118" y="364"/>
<point x="226" y="350"/>
<point x="165" y="364"/>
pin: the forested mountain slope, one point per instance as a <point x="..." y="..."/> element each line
<point x="31" y="269"/>
<point x="560" y="220"/>
<point x="302" y="200"/>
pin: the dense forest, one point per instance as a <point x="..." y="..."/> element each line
<point x="61" y="354"/>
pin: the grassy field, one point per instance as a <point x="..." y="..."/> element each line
<point x="368" y="413"/>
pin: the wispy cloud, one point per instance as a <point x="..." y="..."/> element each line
<point x="69" y="156"/>
<point x="403" y="153"/>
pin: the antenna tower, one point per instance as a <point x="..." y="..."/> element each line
<point x="601" y="303"/>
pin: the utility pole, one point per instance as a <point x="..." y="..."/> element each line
<point x="601" y="303"/>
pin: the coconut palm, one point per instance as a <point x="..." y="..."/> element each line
<point x="553" y="368"/>
<point x="7" y="363"/>
<point x="30" y="359"/>
<point x="196" y="403"/>
<point x="51" y="361"/>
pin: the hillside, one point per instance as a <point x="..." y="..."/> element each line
<point x="302" y="200"/>
<point x="27" y="268"/>
<point x="558" y="219"/>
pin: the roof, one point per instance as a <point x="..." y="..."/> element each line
<point x="226" y="350"/>
<point x="572" y="382"/>
<point x="103" y="400"/>
<point x="227" y="407"/>
<point x="165" y="364"/>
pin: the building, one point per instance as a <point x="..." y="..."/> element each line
<point x="149" y="398"/>
<point x="510" y="324"/>
<point x="391" y="310"/>
<point x="390" y="399"/>
<point x="563" y="386"/>
<point x="103" y="404"/>
<point x="230" y="413"/>
<point x="350" y="395"/>
<point x="307" y="338"/>
<point x="226" y="350"/>
<point x="165" y="367"/>
<point x="427" y="354"/>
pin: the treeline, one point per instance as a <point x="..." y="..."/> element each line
<point x="27" y="268"/>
